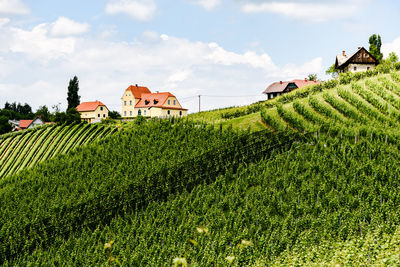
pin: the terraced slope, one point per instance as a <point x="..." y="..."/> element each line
<point x="369" y="106"/>
<point x="25" y="149"/>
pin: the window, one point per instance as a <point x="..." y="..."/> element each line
<point x="180" y="113"/>
<point x="355" y="68"/>
<point x="169" y="102"/>
<point x="139" y="112"/>
<point x="104" y="115"/>
<point x="101" y="108"/>
<point x="124" y="103"/>
<point x="368" y="68"/>
<point x="169" y="112"/>
<point x="98" y="115"/>
<point x="174" y="102"/>
<point x="144" y="112"/>
<point x="130" y="102"/>
<point x="130" y="113"/>
<point x="125" y="113"/>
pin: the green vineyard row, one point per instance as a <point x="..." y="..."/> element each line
<point x="26" y="149"/>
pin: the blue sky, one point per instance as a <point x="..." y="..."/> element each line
<point x="225" y="48"/>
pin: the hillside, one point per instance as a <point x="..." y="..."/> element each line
<point x="29" y="147"/>
<point x="319" y="186"/>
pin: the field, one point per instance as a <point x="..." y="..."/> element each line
<point x="27" y="148"/>
<point x="315" y="183"/>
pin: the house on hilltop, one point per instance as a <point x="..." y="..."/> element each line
<point x="138" y="100"/>
<point x="26" y="124"/>
<point x="277" y="88"/>
<point x="361" y="60"/>
<point x="92" y="111"/>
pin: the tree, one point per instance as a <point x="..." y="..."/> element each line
<point x="114" y="114"/>
<point x="312" y="77"/>
<point x="73" y="97"/>
<point x="5" y="127"/>
<point x="332" y="71"/>
<point x="72" y="116"/>
<point x="393" y="58"/>
<point x="375" y="44"/>
<point x="44" y="113"/>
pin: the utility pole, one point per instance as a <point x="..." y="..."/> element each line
<point x="199" y="102"/>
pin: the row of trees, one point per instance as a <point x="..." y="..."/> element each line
<point x="18" y="111"/>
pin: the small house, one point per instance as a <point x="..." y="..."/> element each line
<point x="278" y="88"/>
<point x="139" y="100"/>
<point x="92" y="112"/>
<point x="26" y="124"/>
<point x="361" y="60"/>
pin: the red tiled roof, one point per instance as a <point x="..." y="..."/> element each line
<point x="137" y="91"/>
<point x="278" y="87"/>
<point x="160" y="99"/>
<point x="24" y="123"/>
<point x="89" y="106"/>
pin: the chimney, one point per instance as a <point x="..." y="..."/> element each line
<point x="344" y="53"/>
<point x="305" y="79"/>
<point x="157" y="92"/>
<point x="136" y="85"/>
<point x="280" y="82"/>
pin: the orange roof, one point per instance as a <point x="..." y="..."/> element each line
<point x="89" y="106"/>
<point x="25" y="123"/>
<point x="154" y="100"/>
<point x="137" y="91"/>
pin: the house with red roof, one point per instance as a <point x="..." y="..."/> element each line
<point x="26" y="124"/>
<point x="278" y="88"/>
<point x="361" y="60"/>
<point x="92" y="112"/>
<point x="139" y="100"/>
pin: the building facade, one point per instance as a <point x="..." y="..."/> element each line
<point x="93" y="112"/>
<point x="361" y="60"/>
<point x="138" y="100"/>
<point x="278" y="88"/>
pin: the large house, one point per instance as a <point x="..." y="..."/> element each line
<point x="139" y="100"/>
<point x="26" y="124"/>
<point x="277" y="88"/>
<point x="92" y="111"/>
<point x="361" y="60"/>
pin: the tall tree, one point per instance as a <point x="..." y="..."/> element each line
<point x="375" y="44"/>
<point x="73" y="97"/>
<point x="44" y="113"/>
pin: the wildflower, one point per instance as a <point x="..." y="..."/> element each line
<point x="230" y="259"/>
<point x="246" y="243"/>
<point x="108" y="245"/>
<point x="202" y="230"/>
<point x="180" y="262"/>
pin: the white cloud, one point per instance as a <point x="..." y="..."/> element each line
<point x="391" y="47"/>
<point x="106" y="68"/>
<point x="312" y="11"/>
<point x="13" y="7"/>
<point x="4" y="21"/>
<point x="66" y="27"/>
<point x="38" y="45"/>
<point x="207" y="4"/>
<point x="138" y="9"/>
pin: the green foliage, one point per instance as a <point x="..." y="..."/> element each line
<point x="5" y="127"/>
<point x="375" y="44"/>
<point x="26" y="148"/>
<point x="44" y="113"/>
<point x="139" y="120"/>
<point x="114" y="115"/>
<point x="324" y="192"/>
<point x="312" y="77"/>
<point x="332" y="71"/>
<point x="73" y="97"/>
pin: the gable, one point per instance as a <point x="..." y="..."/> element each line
<point x="362" y="57"/>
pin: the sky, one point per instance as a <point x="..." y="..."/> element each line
<point x="227" y="51"/>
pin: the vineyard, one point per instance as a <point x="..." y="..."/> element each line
<point x="319" y="186"/>
<point x="366" y="107"/>
<point x="25" y="149"/>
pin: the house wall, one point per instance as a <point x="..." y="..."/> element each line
<point x="359" y="67"/>
<point x="35" y="123"/>
<point x="161" y="112"/>
<point x="97" y="115"/>
<point x="128" y="102"/>
<point x="273" y="95"/>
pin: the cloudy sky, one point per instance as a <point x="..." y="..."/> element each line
<point x="226" y="50"/>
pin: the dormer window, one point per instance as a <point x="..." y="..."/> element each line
<point x="146" y="102"/>
<point x="155" y="101"/>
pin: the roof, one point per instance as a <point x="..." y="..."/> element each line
<point x="343" y="59"/>
<point x="89" y="106"/>
<point x="156" y="100"/>
<point x="25" y="123"/>
<point x="279" y="87"/>
<point x="137" y="91"/>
